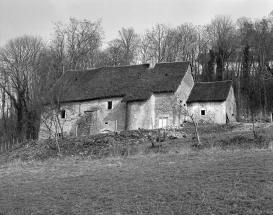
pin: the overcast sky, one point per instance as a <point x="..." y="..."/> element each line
<point x="36" y="17"/>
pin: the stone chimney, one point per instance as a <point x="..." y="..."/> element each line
<point x="152" y="62"/>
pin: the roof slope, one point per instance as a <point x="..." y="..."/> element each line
<point x="135" y="82"/>
<point x="210" y="91"/>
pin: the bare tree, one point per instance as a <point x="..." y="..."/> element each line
<point x="255" y="77"/>
<point x="186" y="41"/>
<point x="143" y="49"/>
<point x="159" y="40"/>
<point x="77" y="43"/>
<point x="113" y="55"/>
<point x="128" y="41"/>
<point x="195" y="123"/>
<point x="19" y="61"/>
<point x="167" y="44"/>
<point x="222" y="37"/>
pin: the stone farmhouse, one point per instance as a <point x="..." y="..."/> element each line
<point x="212" y="102"/>
<point x="121" y="98"/>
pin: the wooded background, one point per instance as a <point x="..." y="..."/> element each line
<point x="224" y="49"/>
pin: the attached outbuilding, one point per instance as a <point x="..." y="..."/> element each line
<point x="212" y="102"/>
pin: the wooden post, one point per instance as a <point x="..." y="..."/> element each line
<point x="271" y="115"/>
<point x="253" y="126"/>
<point x="152" y="141"/>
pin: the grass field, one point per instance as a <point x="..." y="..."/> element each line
<point x="203" y="182"/>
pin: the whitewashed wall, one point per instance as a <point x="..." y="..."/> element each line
<point x="215" y="112"/>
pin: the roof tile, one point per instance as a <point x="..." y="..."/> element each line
<point x="210" y="91"/>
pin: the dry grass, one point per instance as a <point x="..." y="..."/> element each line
<point x="172" y="178"/>
<point x="178" y="182"/>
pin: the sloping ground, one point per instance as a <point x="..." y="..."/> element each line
<point x="97" y="146"/>
<point x="230" y="136"/>
<point x="212" y="182"/>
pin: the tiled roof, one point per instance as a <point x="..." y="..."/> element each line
<point x="210" y="91"/>
<point x="135" y="82"/>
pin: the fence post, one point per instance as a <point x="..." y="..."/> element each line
<point x="158" y="135"/>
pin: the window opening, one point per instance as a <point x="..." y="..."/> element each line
<point x="106" y="123"/>
<point x="203" y="112"/>
<point x="110" y="105"/>
<point x="163" y="122"/>
<point x="63" y="114"/>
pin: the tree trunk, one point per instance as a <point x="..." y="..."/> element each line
<point x="211" y="64"/>
<point x="220" y="65"/>
<point x="20" y="123"/>
<point x="196" y="133"/>
<point x="3" y="111"/>
<point x="31" y="132"/>
<point x="265" y="97"/>
<point x="253" y="126"/>
<point x="246" y="61"/>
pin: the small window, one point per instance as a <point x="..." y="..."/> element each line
<point x="203" y="112"/>
<point x="106" y="123"/>
<point x="62" y="114"/>
<point x="110" y="105"/>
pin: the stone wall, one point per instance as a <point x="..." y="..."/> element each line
<point x="215" y="112"/>
<point x="167" y="105"/>
<point x="231" y="106"/>
<point x="140" y="114"/>
<point x="89" y="117"/>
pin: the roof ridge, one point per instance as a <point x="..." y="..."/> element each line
<point x="124" y="66"/>
<point x="202" y="82"/>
